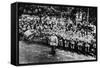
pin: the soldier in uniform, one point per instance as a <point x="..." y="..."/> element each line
<point x="94" y="49"/>
<point x="87" y="47"/>
<point x="53" y="43"/>
<point x="80" y="45"/>
<point x="72" y="44"/>
<point x="66" y="44"/>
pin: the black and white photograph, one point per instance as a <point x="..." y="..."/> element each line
<point x="50" y="33"/>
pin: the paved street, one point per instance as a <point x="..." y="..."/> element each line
<point x="38" y="53"/>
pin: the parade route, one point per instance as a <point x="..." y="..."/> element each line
<point x="38" y="53"/>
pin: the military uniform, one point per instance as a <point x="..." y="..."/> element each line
<point x="87" y="47"/>
<point x="53" y="43"/>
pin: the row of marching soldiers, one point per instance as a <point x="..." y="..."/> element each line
<point x="78" y="46"/>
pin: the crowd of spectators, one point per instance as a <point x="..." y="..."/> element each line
<point x="74" y="35"/>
